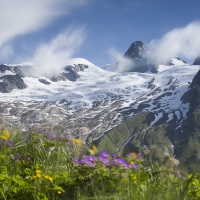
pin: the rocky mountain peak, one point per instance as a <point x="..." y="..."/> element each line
<point x="137" y="50"/>
<point x="197" y="61"/>
<point x="137" y="59"/>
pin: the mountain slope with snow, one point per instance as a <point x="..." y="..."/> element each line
<point x="99" y="90"/>
<point x="119" y="111"/>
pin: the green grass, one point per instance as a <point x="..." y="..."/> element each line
<point x="39" y="165"/>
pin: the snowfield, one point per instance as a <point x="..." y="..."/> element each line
<point x="160" y="92"/>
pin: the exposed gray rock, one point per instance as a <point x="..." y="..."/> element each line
<point x="44" y="81"/>
<point x="197" y="61"/>
<point x="138" y="59"/>
<point x="11" y="82"/>
<point x="137" y="50"/>
<point x="71" y="76"/>
<point x="4" y="68"/>
<point x="76" y="67"/>
<point x="71" y="73"/>
<point x="23" y="71"/>
<point x="196" y="80"/>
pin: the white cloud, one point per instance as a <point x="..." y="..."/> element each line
<point x="19" y="17"/>
<point x="180" y="42"/>
<point x="50" y="57"/>
<point x="6" y="50"/>
<point x="183" y="42"/>
<point x="123" y="63"/>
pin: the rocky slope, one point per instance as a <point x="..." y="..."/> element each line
<point x="119" y="112"/>
<point x="197" y="61"/>
<point x="175" y="131"/>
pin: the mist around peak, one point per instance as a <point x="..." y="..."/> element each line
<point x="181" y="42"/>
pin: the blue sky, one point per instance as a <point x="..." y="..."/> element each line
<point x="52" y="31"/>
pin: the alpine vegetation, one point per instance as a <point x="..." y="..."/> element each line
<point x="40" y="164"/>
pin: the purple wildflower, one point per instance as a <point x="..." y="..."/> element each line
<point x="92" y="165"/>
<point x="9" y="142"/>
<point x="85" y="161"/>
<point x="88" y="160"/>
<point x="17" y="157"/>
<point x="104" y="160"/>
<point x="92" y="158"/>
<point x="1" y="142"/>
<point x="84" y="157"/>
<point x="49" y="134"/>
<point x="117" y="161"/>
<point x="115" y="155"/>
<point x="75" y="160"/>
<point x="135" y="166"/>
<point x="28" y="158"/>
<point x="140" y="155"/>
<point x="121" y="162"/>
<point x="125" y="164"/>
<point x="104" y="154"/>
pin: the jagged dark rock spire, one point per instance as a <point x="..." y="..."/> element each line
<point x="138" y="58"/>
<point x="137" y="50"/>
<point x="197" y="61"/>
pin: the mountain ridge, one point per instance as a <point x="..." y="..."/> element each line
<point x="118" y="112"/>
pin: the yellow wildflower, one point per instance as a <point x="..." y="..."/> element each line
<point x="132" y="163"/>
<point x="38" y="175"/>
<point x="133" y="154"/>
<point x="59" y="192"/>
<point x="38" y="171"/>
<point x="5" y="136"/>
<point x="94" y="148"/>
<point x="92" y="152"/>
<point x="48" y="178"/>
<point x="77" y="141"/>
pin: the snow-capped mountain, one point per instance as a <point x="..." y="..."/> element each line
<point x="116" y="111"/>
<point x="139" y="57"/>
<point x="136" y="59"/>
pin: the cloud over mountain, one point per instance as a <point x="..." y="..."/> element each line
<point x="50" y="57"/>
<point x="24" y="16"/>
<point x="183" y="42"/>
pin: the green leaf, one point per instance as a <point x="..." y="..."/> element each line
<point x="19" y="180"/>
